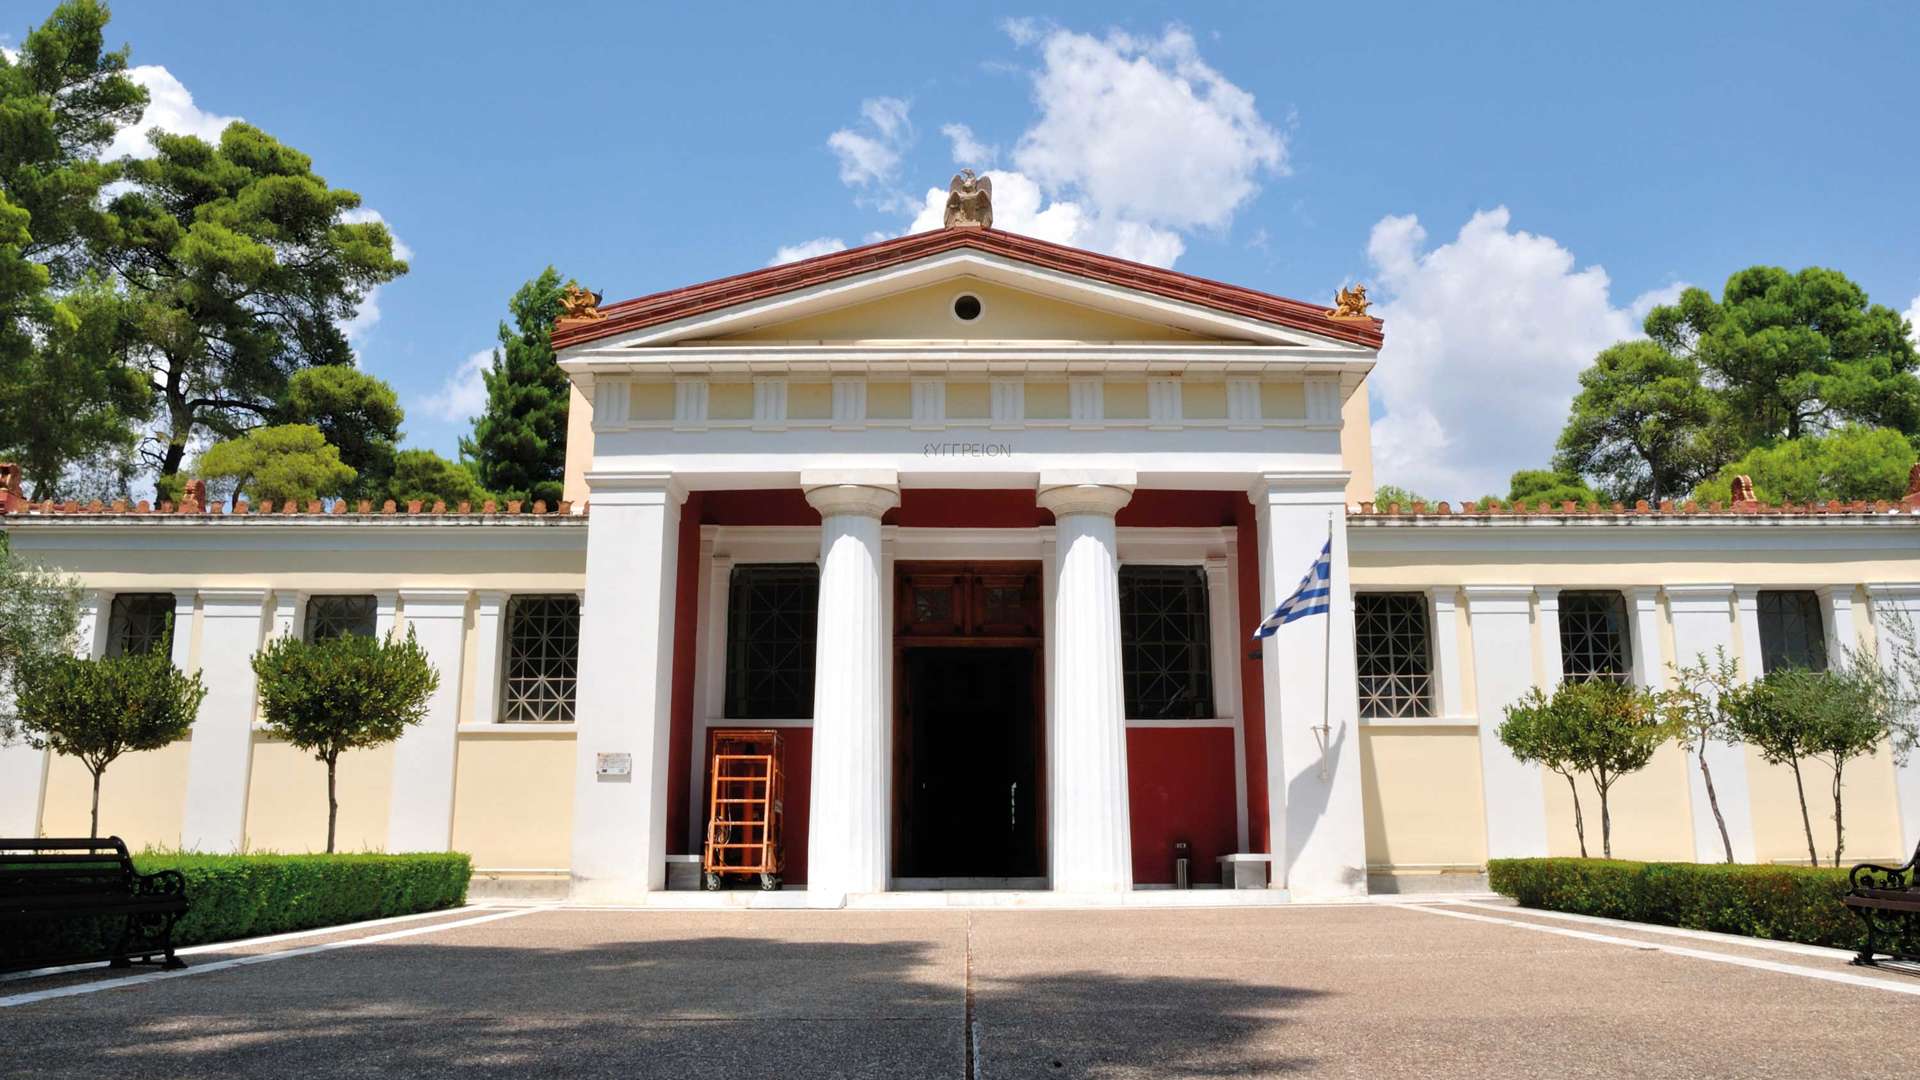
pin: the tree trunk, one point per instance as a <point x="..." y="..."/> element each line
<point x="1606" y="823"/>
<point x="333" y="804"/>
<point x="1805" y="821"/>
<point x="1713" y="800"/>
<point x="1839" y="826"/>
<point x="180" y="419"/>
<point x="1579" y="826"/>
<point x="93" y="832"/>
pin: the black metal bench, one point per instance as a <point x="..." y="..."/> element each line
<point x="1887" y="899"/>
<point x="48" y="885"/>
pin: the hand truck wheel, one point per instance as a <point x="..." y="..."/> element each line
<point x="769" y="882"/>
<point x="713" y="881"/>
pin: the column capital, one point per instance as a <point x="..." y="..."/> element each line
<point x="1444" y="597"/>
<point x="1516" y="599"/>
<point x="1310" y="487"/>
<point x="434" y="603"/>
<point x="1083" y="498"/>
<point x="1549" y="596"/>
<point x="634" y="488"/>
<point x="1643" y="596"/>
<point x="860" y="492"/>
<point x="1831" y="593"/>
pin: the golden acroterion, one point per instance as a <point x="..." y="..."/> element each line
<point x="1350" y="303"/>
<point x="578" y="304"/>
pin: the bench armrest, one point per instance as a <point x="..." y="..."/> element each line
<point x="160" y="883"/>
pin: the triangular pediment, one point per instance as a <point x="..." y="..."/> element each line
<point x="902" y="290"/>
<point x="934" y="313"/>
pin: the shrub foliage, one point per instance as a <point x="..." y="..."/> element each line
<point x="1782" y="903"/>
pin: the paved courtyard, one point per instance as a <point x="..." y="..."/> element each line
<point x="1455" y="990"/>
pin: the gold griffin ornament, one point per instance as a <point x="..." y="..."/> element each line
<point x="578" y="304"/>
<point x="1351" y="303"/>
<point x="969" y="200"/>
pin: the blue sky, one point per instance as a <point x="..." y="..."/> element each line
<point x="1516" y="183"/>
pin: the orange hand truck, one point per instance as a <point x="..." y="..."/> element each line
<point x="746" y="786"/>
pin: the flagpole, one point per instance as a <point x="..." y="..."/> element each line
<point x="1326" y="691"/>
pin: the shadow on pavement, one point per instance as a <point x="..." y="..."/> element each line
<point x="692" y="1007"/>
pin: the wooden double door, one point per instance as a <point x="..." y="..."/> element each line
<point x="969" y="744"/>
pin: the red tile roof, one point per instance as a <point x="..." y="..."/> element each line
<point x="664" y="307"/>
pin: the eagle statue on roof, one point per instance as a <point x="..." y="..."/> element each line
<point x="970" y="200"/>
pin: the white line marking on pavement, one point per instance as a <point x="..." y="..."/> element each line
<point x="1817" y="952"/>
<point x="1846" y="977"/>
<point x="34" y="996"/>
<point x="241" y="943"/>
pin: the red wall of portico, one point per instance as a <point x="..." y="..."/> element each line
<point x="1180" y="780"/>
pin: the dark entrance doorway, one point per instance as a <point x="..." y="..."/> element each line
<point x="968" y="743"/>
<point x="971" y="809"/>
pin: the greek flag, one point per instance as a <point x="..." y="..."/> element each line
<point x="1309" y="599"/>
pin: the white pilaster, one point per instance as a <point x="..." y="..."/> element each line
<point x="181" y="649"/>
<point x="96" y="611"/>
<point x="1243" y="403"/>
<point x="1163" y="403"/>
<point x="1091" y="846"/>
<point x="848" y="836"/>
<point x="1086" y="400"/>
<point x="1553" y="664"/>
<point x="1313" y="793"/>
<point x="625" y="685"/>
<point x="1891" y="605"/>
<point x="1649" y="659"/>
<point x="489" y="652"/>
<point x="420" y="813"/>
<point x="929" y="404"/>
<point x="220" y="759"/>
<point x="1009" y="402"/>
<point x="849" y="404"/>
<point x="1837" y="622"/>
<point x="1499" y="617"/>
<point x="1448" y="676"/>
<point x="1702" y="621"/>
<point x="1223" y="617"/>
<point x="690" y="404"/>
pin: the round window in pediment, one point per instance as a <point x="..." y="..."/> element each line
<point x="967" y="307"/>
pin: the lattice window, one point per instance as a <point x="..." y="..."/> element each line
<point x="1166" y="653"/>
<point x="333" y="616"/>
<point x="1393" y="653"/>
<point x="1791" y="632"/>
<point x="1593" y="637"/>
<point x="542" y="659"/>
<point x="138" y="624"/>
<point x="773" y="614"/>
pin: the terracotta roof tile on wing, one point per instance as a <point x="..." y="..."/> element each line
<point x="665" y="307"/>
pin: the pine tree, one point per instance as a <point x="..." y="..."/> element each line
<point x="519" y="444"/>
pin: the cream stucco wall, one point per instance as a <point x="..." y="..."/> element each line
<point x="1779" y="835"/>
<point x="1356" y="445"/>
<point x="1650" y="809"/>
<point x="142" y="797"/>
<point x="287" y="799"/>
<point x="573" y="483"/>
<point x="1421" y="790"/>
<point x="513" y="799"/>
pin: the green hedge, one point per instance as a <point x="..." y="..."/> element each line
<point x="239" y="896"/>
<point x="1783" y="903"/>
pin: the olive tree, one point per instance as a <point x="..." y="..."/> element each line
<point x="1599" y="728"/>
<point x="39" y="612"/>
<point x="343" y="693"/>
<point x="1538" y="731"/>
<point x="1697" y="711"/>
<point x="97" y="710"/>
<point x="1794" y="715"/>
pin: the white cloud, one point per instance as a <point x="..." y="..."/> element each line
<point x="968" y="149"/>
<point x="1146" y="130"/>
<point x="1486" y="337"/>
<point x="1019" y="206"/>
<point x="807" y="249"/>
<point x="463" y="395"/>
<point x="872" y="156"/>
<point x="1137" y="141"/>
<point x="170" y="108"/>
<point x="1913" y="317"/>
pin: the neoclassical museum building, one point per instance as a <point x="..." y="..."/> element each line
<point x="982" y="526"/>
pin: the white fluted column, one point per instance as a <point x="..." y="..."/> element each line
<point x="625" y="686"/>
<point x="1500" y="617"/>
<point x="1091" y="846"/>
<point x="847" y="834"/>
<point x="1887" y="604"/>
<point x="1702" y="622"/>
<point x="220" y="759"/>
<point x="420" y="812"/>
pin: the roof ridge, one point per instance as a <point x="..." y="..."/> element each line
<point x="672" y="304"/>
